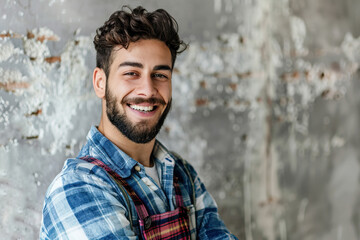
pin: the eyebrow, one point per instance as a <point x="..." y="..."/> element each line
<point x="162" y="67"/>
<point x="139" y="65"/>
<point x="131" y="64"/>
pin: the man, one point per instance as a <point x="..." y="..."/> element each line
<point x="124" y="184"/>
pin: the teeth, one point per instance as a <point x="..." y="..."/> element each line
<point x="142" y="108"/>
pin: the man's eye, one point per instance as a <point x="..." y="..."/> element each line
<point x="159" y="75"/>
<point x="130" y="74"/>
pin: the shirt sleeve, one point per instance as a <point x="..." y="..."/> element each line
<point x="81" y="205"/>
<point x="208" y="222"/>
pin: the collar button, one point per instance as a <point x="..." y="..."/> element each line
<point x="137" y="168"/>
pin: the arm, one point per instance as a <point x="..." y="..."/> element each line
<point x="208" y="222"/>
<point x="82" y="205"/>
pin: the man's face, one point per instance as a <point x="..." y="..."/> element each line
<point x="138" y="89"/>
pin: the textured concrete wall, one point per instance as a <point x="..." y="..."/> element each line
<point x="265" y="107"/>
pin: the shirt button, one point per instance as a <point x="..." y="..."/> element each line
<point x="137" y="168"/>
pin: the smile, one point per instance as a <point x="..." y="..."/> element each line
<point x="143" y="108"/>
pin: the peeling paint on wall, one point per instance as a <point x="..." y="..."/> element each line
<point x="42" y="92"/>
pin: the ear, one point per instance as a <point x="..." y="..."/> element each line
<point x="99" y="82"/>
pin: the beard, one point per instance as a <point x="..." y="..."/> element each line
<point x="140" y="132"/>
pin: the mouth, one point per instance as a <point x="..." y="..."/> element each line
<point x="145" y="109"/>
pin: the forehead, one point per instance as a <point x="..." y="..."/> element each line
<point x="147" y="52"/>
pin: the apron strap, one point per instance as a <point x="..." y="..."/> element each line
<point x="140" y="207"/>
<point x="178" y="196"/>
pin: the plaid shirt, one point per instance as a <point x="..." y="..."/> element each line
<point x="84" y="202"/>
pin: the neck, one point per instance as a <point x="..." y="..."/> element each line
<point x="138" y="151"/>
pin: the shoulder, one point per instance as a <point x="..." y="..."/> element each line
<point x="83" y="199"/>
<point x="78" y="174"/>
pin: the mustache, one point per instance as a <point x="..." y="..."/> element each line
<point x="151" y="100"/>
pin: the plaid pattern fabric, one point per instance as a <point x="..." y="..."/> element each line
<point x="84" y="202"/>
<point x="168" y="225"/>
<point x="140" y="208"/>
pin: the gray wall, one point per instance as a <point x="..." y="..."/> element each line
<point x="265" y="107"/>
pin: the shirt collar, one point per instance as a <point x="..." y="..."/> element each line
<point x="98" y="146"/>
<point x="161" y="154"/>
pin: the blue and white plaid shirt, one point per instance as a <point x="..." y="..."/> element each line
<point x="84" y="202"/>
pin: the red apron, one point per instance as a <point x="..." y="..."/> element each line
<point x="168" y="225"/>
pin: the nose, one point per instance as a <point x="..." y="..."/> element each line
<point x="146" y="87"/>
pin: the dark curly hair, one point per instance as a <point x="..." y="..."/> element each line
<point x="125" y="27"/>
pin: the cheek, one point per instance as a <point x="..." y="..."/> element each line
<point x="121" y="91"/>
<point x="166" y="92"/>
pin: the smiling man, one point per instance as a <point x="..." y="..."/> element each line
<point x="125" y="184"/>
